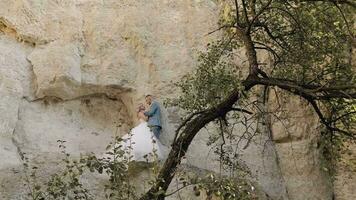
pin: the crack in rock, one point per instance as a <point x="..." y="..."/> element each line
<point x="13" y="136"/>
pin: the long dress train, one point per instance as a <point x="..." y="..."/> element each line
<point x="142" y="145"/>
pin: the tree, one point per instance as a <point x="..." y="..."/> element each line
<point x="310" y="43"/>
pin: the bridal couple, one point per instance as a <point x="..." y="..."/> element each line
<point x="142" y="143"/>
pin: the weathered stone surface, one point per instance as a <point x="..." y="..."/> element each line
<point x="345" y="179"/>
<point x="57" y="70"/>
<point x="14" y="83"/>
<point x="95" y="60"/>
<point x="259" y="157"/>
<point x="294" y="128"/>
<point x="71" y="69"/>
<point x="87" y="125"/>
<point x="301" y="169"/>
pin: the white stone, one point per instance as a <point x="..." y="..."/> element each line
<point x="70" y="69"/>
<point x="57" y="70"/>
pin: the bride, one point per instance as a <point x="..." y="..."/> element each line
<point x="141" y="144"/>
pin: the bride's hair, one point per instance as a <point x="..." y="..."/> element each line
<point x="140" y="108"/>
<point x="140" y="115"/>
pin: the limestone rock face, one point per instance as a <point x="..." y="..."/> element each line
<point x="295" y="130"/>
<point x="57" y="70"/>
<point x="14" y="74"/>
<point x="74" y="69"/>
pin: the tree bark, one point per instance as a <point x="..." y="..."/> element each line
<point x="180" y="147"/>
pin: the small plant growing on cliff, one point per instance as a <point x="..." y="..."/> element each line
<point x="66" y="182"/>
<point x="115" y="165"/>
<point x="226" y="188"/>
<point x="61" y="185"/>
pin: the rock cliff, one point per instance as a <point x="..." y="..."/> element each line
<point x="73" y="69"/>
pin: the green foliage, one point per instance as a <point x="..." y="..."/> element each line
<point x="116" y="166"/>
<point x="62" y="185"/>
<point x="219" y="187"/>
<point x="335" y="146"/>
<point x="226" y="188"/>
<point x="214" y="78"/>
<point x="66" y="182"/>
<point x="310" y="43"/>
<point x="331" y="148"/>
<point x="313" y="42"/>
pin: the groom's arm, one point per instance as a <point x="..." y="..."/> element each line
<point x="152" y="111"/>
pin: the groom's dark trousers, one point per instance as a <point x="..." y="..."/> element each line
<point x="156" y="130"/>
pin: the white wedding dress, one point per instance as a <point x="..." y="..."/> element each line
<point x="142" y="145"/>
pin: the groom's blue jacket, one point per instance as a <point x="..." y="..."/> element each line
<point x="154" y="115"/>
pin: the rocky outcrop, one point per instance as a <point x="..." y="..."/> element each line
<point x="295" y="130"/>
<point x="73" y="70"/>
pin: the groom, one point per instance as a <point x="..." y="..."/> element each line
<point x="154" y="115"/>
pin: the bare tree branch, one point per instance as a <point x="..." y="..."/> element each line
<point x="326" y="123"/>
<point x="220" y="28"/>
<point x="244" y="6"/>
<point x="255" y="18"/>
<point x="310" y="91"/>
<point x="242" y="110"/>
<point x="342" y="116"/>
<point x="346" y="2"/>
<point x="237" y="13"/>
